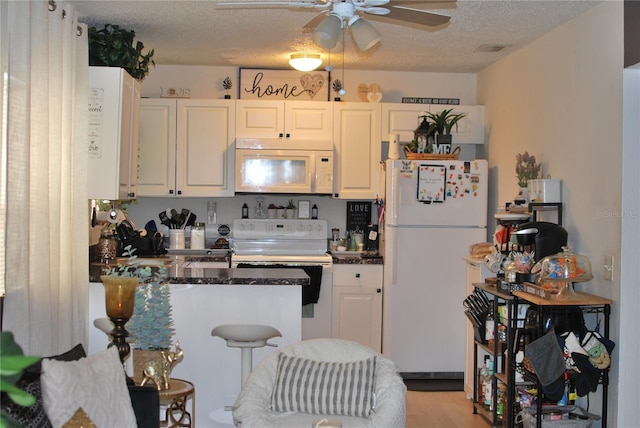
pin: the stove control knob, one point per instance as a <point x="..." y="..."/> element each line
<point x="310" y="227"/>
<point x="300" y="227"/>
<point x="319" y="227"/>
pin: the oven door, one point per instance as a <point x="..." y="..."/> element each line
<point x="316" y="298"/>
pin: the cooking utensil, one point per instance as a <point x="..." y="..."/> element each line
<point x="164" y="219"/>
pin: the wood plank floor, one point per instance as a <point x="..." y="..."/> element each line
<point x="441" y="409"/>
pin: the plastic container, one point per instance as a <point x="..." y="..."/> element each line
<point x="107" y="248"/>
<point x="197" y="236"/>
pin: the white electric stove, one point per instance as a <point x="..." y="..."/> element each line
<point x="290" y="244"/>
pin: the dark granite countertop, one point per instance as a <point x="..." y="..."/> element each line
<point x="244" y="276"/>
<point x="195" y="270"/>
<point x="357" y="259"/>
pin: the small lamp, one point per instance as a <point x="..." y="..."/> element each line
<point x="305" y="61"/>
<point x="120" y="296"/>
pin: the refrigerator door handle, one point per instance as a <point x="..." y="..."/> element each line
<point x="391" y="262"/>
<point x="393" y="197"/>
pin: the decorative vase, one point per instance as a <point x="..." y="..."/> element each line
<point x="523" y="196"/>
<point x="272" y="212"/>
<point x="120" y="296"/>
<point x="443" y="144"/>
<point x="291" y="213"/>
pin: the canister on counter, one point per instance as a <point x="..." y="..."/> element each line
<point x="197" y="236"/>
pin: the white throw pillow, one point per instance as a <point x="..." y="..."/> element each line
<point x="323" y="387"/>
<point x="96" y="383"/>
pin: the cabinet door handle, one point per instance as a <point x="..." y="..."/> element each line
<point x="378" y="290"/>
<point x="131" y="194"/>
<point x="179" y="192"/>
<point x="357" y="275"/>
<point x="280" y="135"/>
<point x="171" y="192"/>
<point x="288" y="135"/>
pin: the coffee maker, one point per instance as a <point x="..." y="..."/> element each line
<point x="544" y="238"/>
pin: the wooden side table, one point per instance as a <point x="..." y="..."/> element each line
<point x="175" y="398"/>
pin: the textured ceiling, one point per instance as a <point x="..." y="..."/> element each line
<point x="200" y="33"/>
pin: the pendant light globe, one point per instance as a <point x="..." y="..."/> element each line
<point x="364" y="34"/>
<point x="305" y="61"/>
<point x="327" y="32"/>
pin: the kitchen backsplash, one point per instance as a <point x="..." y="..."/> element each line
<point x="228" y="209"/>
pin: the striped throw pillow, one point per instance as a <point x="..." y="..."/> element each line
<point x="324" y="388"/>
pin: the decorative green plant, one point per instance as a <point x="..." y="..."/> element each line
<point x="337" y="86"/>
<point x="12" y="364"/>
<point x="526" y="168"/>
<point x="113" y="46"/>
<point x="226" y="84"/>
<point x="445" y="120"/>
<point x="291" y="205"/>
<point x="151" y="326"/>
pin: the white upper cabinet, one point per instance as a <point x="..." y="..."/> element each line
<point x="293" y="120"/>
<point x="403" y="119"/>
<point x="114" y="99"/>
<point x="187" y="148"/>
<point x="358" y="150"/>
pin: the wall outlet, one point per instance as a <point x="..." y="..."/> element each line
<point x="608" y="268"/>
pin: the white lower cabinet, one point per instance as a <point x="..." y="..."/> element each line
<point x="187" y="148"/>
<point x="357" y="304"/>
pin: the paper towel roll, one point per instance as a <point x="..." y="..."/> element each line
<point x="394" y="146"/>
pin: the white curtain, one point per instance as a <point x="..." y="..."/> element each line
<point x="46" y="229"/>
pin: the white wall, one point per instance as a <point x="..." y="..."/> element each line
<point x="206" y="82"/>
<point x="629" y="293"/>
<point x="560" y="98"/>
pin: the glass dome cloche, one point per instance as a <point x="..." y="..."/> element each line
<point x="563" y="269"/>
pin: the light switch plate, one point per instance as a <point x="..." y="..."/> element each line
<point x="608" y="268"/>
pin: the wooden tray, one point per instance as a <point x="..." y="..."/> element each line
<point x="430" y="156"/>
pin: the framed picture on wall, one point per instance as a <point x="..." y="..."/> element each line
<point x="269" y="84"/>
<point x="303" y="209"/>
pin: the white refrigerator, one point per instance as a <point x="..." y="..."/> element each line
<point x="434" y="210"/>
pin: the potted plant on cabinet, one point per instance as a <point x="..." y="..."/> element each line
<point x="113" y="46"/>
<point x="444" y="122"/>
<point x="291" y="209"/>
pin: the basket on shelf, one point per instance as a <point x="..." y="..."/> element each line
<point x="431" y="156"/>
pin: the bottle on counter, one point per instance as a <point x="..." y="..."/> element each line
<point x="314" y="212"/>
<point x="489" y="327"/>
<point x="488" y="386"/>
<point x="482" y="374"/>
<point x="245" y="211"/>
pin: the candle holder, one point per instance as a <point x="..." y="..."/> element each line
<point x="120" y="293"/>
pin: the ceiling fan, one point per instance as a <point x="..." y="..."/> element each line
<point x="340" y="14"/>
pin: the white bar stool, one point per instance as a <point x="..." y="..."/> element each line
<point x="246" y="337"/>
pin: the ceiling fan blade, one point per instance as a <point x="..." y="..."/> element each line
<point x="315" y="21"/>
<point x="269" y="4"/>
<point x="431" y="4"/>
<point x="374" y="10"/>
<point x="416" y="16"/>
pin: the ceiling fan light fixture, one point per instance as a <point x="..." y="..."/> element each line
<point x="305" y="61"/>
<point x="327" y="33"/>
<point x="364" y="34"/>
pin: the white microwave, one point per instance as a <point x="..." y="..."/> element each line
<point x="262" y="170"/>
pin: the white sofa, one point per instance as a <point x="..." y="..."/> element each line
<point x="253" y="408"/>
